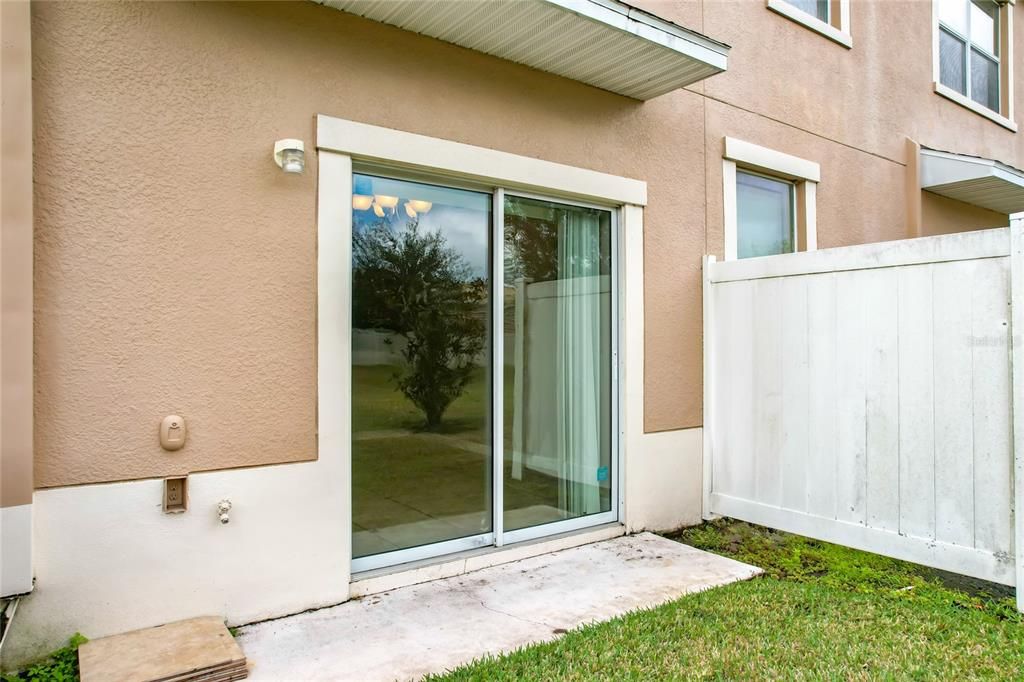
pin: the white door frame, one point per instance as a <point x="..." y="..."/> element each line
<point x="340" y="143"/>
<point x="503" y="537"/>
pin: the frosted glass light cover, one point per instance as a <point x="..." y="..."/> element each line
<point x="293" y="161"/>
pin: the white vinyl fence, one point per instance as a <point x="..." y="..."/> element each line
<point x="864" y="396"/>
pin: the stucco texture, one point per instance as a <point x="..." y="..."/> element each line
<point x="942" y="215"/>
<point x="175" y="264"/>
<point x="869" y="98"/>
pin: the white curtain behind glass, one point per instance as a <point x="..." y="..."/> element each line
<point x="578" y="361"/>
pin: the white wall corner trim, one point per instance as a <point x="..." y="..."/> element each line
<point x="810" y="209"/>
<point x="729" y="208"/>
<point x="840" y="34"/>
<point x="631" y="348"/>
<point x="15" y="549"/>
<point x="363" y="142"/>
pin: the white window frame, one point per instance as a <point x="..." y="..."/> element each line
<point x="836" y="31"/>
<point x="341" y="144"/>
<point x="1003" y="118"/>
<point x="806" y="175"/>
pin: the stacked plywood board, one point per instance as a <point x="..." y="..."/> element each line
<point x="194" y="650"/>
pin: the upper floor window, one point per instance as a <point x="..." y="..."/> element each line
<point x="830" y="18"/>
<point x="969" y="49"/>
<point x="973" y="56"/>
<point x="816" y="8"/>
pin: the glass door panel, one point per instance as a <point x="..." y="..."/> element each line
<point x="421" y="435"/>
<point x="557" y="362"/>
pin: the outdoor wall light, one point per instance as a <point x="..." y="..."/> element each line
<point x="290" y="155"/>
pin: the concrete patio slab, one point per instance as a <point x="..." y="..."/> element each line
<point x="412" y="631"/>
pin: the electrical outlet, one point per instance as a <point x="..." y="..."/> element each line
<point x="175" y="495"/>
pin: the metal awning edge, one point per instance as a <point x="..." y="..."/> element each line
<point x="655" y="56"/>
<point x="984" y="182"/>
<point x="649" y="27"/>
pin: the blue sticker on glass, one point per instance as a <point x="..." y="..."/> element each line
<point x="602" y="473"/>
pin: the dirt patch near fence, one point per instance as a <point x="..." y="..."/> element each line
<point x="789" y="557"/>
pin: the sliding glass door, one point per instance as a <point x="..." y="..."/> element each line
<point x="421" y="359"/>
<point x="483" y="382"/>
<point x="557" y="355"/>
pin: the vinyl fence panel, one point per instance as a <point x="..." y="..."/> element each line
<point x="864" y="396"/>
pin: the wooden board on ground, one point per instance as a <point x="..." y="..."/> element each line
<point x="194" y="650"/>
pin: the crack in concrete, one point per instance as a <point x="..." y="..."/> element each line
<point x="512" y="615"/>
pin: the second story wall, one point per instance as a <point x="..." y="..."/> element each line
<point x="859" y="112"/>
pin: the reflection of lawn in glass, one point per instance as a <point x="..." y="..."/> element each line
<point x="377" y="405"/>
<point x="414" y="487"/>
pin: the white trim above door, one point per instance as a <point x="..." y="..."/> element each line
<point x="385" y="146"/>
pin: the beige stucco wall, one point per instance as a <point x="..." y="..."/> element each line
<point x="941" y="215"/>
<point x="175" y="262"/>
<point x="850" y="110"/>
<point x="869" y="98"/>
<point x="15" y="255"/>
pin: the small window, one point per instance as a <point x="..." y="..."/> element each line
<point x="770" y="201"/>
<point x="969" y="50"/>
<point x="765" y="215"/>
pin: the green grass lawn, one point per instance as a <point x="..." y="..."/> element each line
<point x="820" y="612"/>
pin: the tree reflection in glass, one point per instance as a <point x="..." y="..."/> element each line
<point x="420" y="378"/>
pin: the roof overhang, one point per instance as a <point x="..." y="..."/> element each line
<point x="974" y="180"/>
<point x="604" y="43"/>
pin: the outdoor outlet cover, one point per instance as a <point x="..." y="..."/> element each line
<point x="172" y="432"/>
<point x="175" y="495"/>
